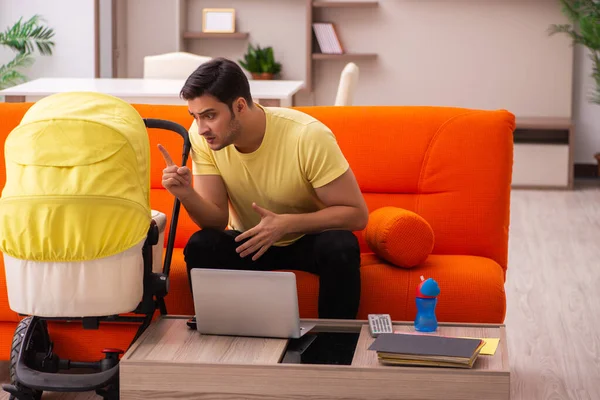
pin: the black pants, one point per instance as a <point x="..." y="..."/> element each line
<point x="332" y="255"/>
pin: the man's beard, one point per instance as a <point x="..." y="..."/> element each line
<point x="235" y="129"/>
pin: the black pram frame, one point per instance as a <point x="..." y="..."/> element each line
<point x="35" y="368"/>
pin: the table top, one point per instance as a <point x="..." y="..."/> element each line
<point x="171" y="361"/>
<point x="133" y="87"/>
<point x="169" y="340"/>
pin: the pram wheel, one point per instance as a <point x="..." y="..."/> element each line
<point x="110" y="393"/>
<point x="36" y="351"/>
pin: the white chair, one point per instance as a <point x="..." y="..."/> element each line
<point x="177" y="65"/>
<point x="347" y="86"/>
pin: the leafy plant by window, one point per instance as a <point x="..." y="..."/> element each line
<point x="259" y="60"/>
<point x="584" y="30"/>
<point x="24" y="37"/>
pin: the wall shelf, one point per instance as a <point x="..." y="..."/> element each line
<point x="345" y="56"/>
<point x="191" y="36"/>
<point x="210" y="35"/>
<point x="313" y="10"/>
<point x="345" y="4"/>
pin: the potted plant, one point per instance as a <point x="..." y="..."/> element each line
<point x="584" y="30"/>
<point x="24" y="38"/>
<point x="260" y="62"/>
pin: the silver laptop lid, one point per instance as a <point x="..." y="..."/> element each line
<point x="246" y="303"/>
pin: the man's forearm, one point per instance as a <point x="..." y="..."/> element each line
<point x="204" y="213"/>
<point x="330" y="218"/>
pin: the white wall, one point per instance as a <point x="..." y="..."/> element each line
<point x="454" y="45"/>
<point x="156" y="26"/>
<point x="586" y="115"/>
<point x="280" y="24"/>
<point x="73" y="23"/>
<point x="469" y="53"/>
<point x="151" y="28"/>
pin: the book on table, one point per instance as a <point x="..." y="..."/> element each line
<point x="426" y="350"/>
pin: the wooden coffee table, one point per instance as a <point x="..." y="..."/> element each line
<point x="170" y="361"/>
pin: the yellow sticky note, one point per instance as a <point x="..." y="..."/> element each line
<point x="490" y="346"/>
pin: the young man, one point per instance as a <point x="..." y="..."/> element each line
<point x="278" y="177"/>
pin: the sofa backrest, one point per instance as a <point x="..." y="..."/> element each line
<point x="452" y="166"/>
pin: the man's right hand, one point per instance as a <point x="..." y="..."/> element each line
<point x="177" y="180"/>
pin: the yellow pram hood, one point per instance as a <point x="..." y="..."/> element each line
<point x="77" y="180"/>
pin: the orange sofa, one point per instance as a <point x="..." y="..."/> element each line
<point x="451" y="166"/>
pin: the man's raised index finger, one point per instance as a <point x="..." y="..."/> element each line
<point x="166" y="156"/>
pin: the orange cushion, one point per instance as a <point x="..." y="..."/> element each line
<point x="399" y="236"/>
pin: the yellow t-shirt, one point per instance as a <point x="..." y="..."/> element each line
<point x="298" y="153"/>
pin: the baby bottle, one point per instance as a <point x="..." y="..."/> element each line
<point x="427" y="293"/>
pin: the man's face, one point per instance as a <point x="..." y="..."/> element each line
<point x="215" y="121"/>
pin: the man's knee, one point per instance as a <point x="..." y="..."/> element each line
<point x="204" y="239"/>
<point x="204" y="245"/>
<point x="338" y="247"/>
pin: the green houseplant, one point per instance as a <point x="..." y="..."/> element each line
<point x="260" y="62"/>
<point x="584" y="30"/>
<point x="24" y="38"/>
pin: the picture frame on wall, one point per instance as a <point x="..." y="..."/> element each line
<point x="218" y="20"/>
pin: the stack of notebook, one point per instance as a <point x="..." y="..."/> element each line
<point x="426" y="350"/>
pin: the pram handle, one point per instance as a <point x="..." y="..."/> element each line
<point x="174" y="127"/>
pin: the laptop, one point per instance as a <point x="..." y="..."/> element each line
<point x="247" y="303"/>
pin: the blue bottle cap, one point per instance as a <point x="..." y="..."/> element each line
<point x="428" y="288"/>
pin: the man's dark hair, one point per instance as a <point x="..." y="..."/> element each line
<point x="220" y="78"/>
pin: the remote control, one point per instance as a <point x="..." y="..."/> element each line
<point x="380" y="323"/>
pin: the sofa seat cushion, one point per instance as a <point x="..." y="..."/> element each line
<point x="472" y="288"/>
<point x="179" y="300"/>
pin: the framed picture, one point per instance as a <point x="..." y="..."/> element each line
<point x="218" y="20"/>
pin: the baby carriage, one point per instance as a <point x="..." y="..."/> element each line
<point x="79" y="239"/>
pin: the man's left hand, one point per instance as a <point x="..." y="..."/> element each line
<point x="270" y="229"/>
